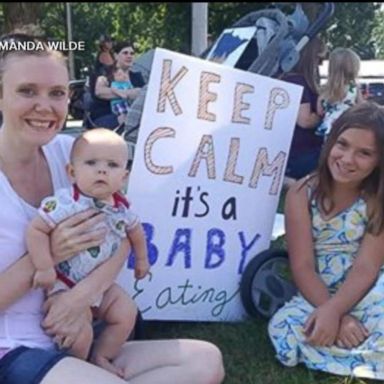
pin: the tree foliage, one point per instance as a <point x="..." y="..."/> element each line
<point x="148" y="25"/>
<point x="378" y="34"/>
<point x="352" y="26"/>
<point x="356" y="25"/>
<point x="21" y="17"/>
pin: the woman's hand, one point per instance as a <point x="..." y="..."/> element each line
<point x="76" y="234"/>
<point x="65" y="318"/>
<point x="351" y="333"/>
<point x="322" y="326"/>
<point x="133" y="93"/>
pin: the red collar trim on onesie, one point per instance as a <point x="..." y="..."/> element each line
<point x="118" y="198"/>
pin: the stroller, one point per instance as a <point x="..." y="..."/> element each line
<point x="267" y="42"/>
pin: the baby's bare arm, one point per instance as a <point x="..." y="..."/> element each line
<point x="38" y="244"/>
<point x="137" y="238"/>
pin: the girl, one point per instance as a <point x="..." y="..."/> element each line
<point x="341" y="91"/>
<point x="33" y="100"/>
<point x="335" y="235"/>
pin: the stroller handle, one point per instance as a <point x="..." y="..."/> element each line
<point x="292" y="57"/>
<point x="326" y="13"/>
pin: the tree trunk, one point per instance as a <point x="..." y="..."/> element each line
<point x="22" y="17"/>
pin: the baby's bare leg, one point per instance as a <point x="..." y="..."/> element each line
<point x="119" y="311"/>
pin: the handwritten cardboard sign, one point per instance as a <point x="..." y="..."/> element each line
<point x="208" y="168"/>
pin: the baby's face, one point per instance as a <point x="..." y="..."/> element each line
<point x="99" y="169"/>
<point x="120" y="75"/>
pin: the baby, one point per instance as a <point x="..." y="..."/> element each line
<point x="97" y="169"/>
<point x="120" y="105"/>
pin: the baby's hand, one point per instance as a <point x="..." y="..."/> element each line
<point x="141" y="268"/>
<point x="44" y="278"/>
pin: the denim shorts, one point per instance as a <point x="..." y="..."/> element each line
<point x="25" y="365"/>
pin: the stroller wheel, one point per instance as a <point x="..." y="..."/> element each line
<point x="266" y="283"/>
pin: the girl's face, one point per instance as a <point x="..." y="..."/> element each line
<point x="107" y="45"/>
<point x="34" y="97"/>
<point x="353" y="157"/>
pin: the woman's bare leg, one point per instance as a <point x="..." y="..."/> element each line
<point x="148" y="362"/>
<point x="171" y="361"/>
<point x="72" y="370"/>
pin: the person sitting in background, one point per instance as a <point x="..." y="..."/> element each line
<point x="306" y="145"/>
<point x="100" y="108"/>
<point x="105" y="58"/>
<point x="341" y="90"/>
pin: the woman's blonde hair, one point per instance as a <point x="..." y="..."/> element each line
<point x="344" y="66"/>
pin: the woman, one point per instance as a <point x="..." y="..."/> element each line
<point x="105" y="58"/>
<point x="100" y="109"/>
<point x="34" y="93"/>
<point x="306" y="145"/>
<point x="335" y="237"/>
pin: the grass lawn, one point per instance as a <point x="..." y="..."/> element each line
<point x="248" y="354"/>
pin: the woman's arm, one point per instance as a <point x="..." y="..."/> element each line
<point x="77" y="233"/>
<point x="300" y="245"/>
<point x="16" y="281"/>
<point x="306" y="118"/>
<point x="103" y="89"/>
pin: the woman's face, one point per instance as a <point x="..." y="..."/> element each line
<point x="125" y="57"/>
<point x="108" y="45"/>
<point x="34" y="97"/>
<point x="353" y="157"/>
